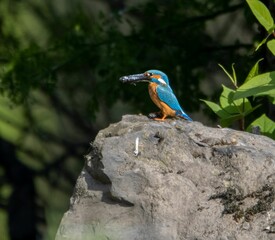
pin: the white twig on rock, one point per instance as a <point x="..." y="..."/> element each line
<point x="136" y="152"/>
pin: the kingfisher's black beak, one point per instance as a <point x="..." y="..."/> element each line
<point x="135" y="78"/>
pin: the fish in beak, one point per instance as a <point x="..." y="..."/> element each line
<point x="141" y="77"/>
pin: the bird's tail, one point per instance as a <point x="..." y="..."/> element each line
<point x="182" y="114"/>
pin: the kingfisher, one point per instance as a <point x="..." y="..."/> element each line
<point x="160" y="92"/>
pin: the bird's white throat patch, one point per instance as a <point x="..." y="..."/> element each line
<point x="161" y="81"/>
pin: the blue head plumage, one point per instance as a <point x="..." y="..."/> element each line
<point x="157" y="76"/>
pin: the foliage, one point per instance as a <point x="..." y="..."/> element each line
<point x="268" y="126"/>
<point x="236" y="104"/>
<point x="232" y="108"/>
<point x="264" y="17"/>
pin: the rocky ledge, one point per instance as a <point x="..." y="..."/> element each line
<point x="173" y="180"/>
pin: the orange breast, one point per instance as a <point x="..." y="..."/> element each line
<point x="153" y="94"/>
<point x="165" y="109"/>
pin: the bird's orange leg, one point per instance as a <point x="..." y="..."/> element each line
<point x="161" y="119"/>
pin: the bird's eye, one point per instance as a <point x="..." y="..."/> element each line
<point x="148" y="74"/>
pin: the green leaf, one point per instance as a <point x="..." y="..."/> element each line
<point x="227" y="121"/>
<point x="227" y="73"/>
<point x="263" y="84"/>
<point x="254" y="71"/>
<point x="250" y="110"/>
<point x="262" y="13"/>
<point x="271" y="46"/>
<point x="216" y="109"/>
<point x="214" y="106"/>
<point x="234" y="75"/>
<point x="233" y="106"/>
<point x="262" y="42"/>
<point x="266" y="125"/>
<point x="226" y="97"/>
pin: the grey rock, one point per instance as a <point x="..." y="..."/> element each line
<point x="186" y="181"/>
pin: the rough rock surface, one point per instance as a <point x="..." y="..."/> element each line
<point x="187" y="181"/>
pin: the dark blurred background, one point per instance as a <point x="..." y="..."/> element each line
<point x="60" y="62"/>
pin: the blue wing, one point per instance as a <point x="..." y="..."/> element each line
<point x="165" y="94"/>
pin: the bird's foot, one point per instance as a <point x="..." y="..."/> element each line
<point x="159" y="119"/>
<point x="154" y="115"/>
